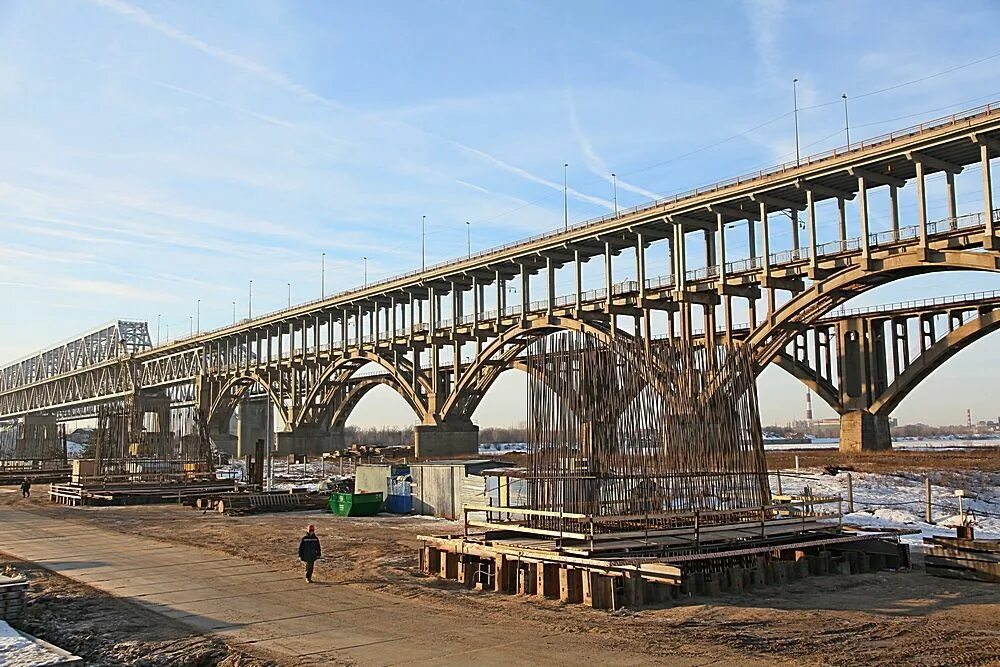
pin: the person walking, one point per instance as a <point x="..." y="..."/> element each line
<point x="309" y="551"/>
<point x="26" y="488"/>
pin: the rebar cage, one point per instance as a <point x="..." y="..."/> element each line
<point x="650" y="433"/>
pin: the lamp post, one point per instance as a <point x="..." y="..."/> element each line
<point x="234" y="312"/>
<point x="566" y="196"/>
<point x="468" y="236"/>
<point x="250" y="302"/>
<point x="191" y="318"/>
<point x="795" y="113"/>
<point x="847" y="121"/>
<point x="198" y="315"/>
<point x="157" y="329"/>
<point x="614" y="187"/>
<point x="366" y="271"/>
<point x="322" y="278"/>
<point x="423" y="242"/>
<point x="289" y="294"/>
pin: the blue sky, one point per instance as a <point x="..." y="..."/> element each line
<point x="157" y="153"/>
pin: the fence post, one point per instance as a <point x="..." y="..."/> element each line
<point x="779" y="481"/>
<point x="928" y="515"/>
<point x="850" y="494"/>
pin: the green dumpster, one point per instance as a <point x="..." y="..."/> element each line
<point x="356" y="504"/>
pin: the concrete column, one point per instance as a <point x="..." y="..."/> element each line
<point x="608" y="277"/>
<point x="500" y="300"/>
<point x="251" y="425"/>
<point x="455" y="437"/>
<point x="550" y="286"/>
<point x="811" y="212"/>
<point x="861" y="431"/>
<point x="640" y="266"/>
<point x="949" y="179"/>
<point x="720" y="221"/>
<point x="894" y="210"/>
<point x="525" y="292"/>
<point x="578" y="268"/>
<point x="842" y="220"/>
<point x="765" y="240"/>
<point x="984" y="152"/>
<point x="863" y="214"/>
<point x="921" y="204"/>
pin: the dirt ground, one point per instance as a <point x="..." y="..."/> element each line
<point x="873" y="619"/>
<point x="107" y="632"/>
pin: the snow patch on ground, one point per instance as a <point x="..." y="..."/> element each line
<point x="898" y="501"/>
<point x="17" y="651"/>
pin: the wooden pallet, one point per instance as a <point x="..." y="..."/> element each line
<point x="957" y="558"/>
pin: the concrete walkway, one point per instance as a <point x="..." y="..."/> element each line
<point x="249" y="604"/>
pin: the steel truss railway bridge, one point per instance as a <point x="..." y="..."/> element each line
<point x="441" y="336"/>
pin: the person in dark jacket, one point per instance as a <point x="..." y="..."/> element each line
<point x="26" y="488"/>
<point x="309" y="551"/>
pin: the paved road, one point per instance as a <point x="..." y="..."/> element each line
<point x="251" y="604"/>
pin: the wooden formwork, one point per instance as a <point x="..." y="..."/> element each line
<point x="499" y="565"/>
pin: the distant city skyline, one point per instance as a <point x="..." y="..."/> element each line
<point x="160" y="156"/>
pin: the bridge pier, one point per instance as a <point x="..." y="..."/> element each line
<point x="251" y="425"/>
<point x="861" y="431"/>
<point x="223" y="441"/>
<point x="447" y="438"/>
<point x="310" y="440"/>
<point x="38" y="437"/>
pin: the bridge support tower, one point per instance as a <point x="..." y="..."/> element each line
<point x="251" y="425"/>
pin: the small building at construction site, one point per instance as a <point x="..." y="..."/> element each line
<point x="645" y="480"/>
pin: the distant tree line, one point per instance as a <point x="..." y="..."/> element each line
<point x="394" y="436"/>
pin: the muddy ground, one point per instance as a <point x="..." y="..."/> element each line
<point x="873" y="619"/>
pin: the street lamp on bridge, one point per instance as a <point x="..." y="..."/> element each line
<point x="234" y="312"/>
<point x="366" y="271"/>
<point x="250" y="302"/>
<point x="157" y="329"/>
<point x="847" y="122"/>
<point x="795" y="113"/>
<point x="566" y="196"/>
<point x="322" y="277"/>
<point x="423" y="242"/>
<point x="468" y="235"/>
<point x="614" y="190"/>
<point x="289" y="295"/>
<point x="198" y="315"/>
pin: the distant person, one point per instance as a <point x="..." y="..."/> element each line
<point x="309" y="551"/>
<point x="26" y="488"/>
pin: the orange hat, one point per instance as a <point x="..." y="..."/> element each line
<point x="311" y="528"/>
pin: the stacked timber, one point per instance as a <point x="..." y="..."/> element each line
<point x="957" y="558"/>
<point x="135" y="494"/>
<point x="253" y="503"/>
<point x="13" y="588"/>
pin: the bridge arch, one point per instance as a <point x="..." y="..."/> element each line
<point x="500" y="355"/>
<point x="768" y="340"/>
<point x="335" y="385"/>
<point x="933" y="358"/>
<point x="824" y="389"/>
<point x="232" y="392"/>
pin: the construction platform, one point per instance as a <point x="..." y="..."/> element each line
<point x="637" y="560"/>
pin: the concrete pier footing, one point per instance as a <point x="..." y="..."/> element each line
<point x="458" y="438"/>
<point x="861" y="431"/>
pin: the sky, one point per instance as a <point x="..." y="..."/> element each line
<point x="156" y="153"/>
